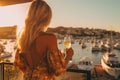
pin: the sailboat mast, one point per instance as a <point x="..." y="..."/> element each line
<point x="111" y="42"/>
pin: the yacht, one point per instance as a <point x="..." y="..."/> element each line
<point x="111" y="64"/>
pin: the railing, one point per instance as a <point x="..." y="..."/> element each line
<point x="2" y="69"/>
<point x="87" y="72"/>
<point x="8" y="72"/>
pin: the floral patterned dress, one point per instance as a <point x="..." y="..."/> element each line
<point x="38" y="73"/>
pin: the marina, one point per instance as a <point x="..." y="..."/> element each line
<point x="89" y="28"/>
<point x="97" y="74"/>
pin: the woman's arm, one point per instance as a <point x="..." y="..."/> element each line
<point x="69" y="54"/>
<point x="53" y="45"/>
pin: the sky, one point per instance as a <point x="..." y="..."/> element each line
<point x="104" y="14"/>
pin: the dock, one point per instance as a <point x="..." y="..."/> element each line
<point x="97" y="74"/>
<point x="100" y="74"/>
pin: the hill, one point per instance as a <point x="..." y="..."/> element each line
<point x="8" y="32"/>
<point x="83" y="32"/>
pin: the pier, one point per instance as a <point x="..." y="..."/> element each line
<point x="101" y="74"/>
<point x="97" y="74"/>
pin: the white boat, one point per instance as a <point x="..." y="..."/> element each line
<point x="111" y="64"/>
<point x="6" y="55"/>
<point x="117" y="46"/>
<point x="85" y="64"/>
<point x="105" y="47"/>
<point x="83" y="45"/>
<point x="96" y="47"/>
<point x="70" y="64"/>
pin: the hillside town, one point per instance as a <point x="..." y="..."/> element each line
<point x="10" y="32"/>
<point x="82" y="32"/>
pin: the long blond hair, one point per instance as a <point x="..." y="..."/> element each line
<point x="39" y="17"/>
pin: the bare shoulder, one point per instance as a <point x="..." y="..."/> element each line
<point x="47" y="39"/>
<point x="47" y="36"/>
<point x="50" y="36"/>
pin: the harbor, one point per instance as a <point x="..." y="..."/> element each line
<point x="89" y="30"/>
<point x="87" y="48"/>
<point x="97" y="74"/>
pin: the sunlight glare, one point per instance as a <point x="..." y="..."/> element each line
<point x="13" y="15"/>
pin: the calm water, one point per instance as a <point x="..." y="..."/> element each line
<point x="9" y="47"/>
<point x="78" y="51"/>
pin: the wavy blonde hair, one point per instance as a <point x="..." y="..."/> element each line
<point x="39" y="17"/>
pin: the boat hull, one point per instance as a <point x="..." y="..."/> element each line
<point x="115" y="72"/>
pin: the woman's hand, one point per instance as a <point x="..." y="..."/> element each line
<point x="69" y="54"/>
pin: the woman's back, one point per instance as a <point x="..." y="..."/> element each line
<point x="39" y="48"/>
<point x="36" y="57"/>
